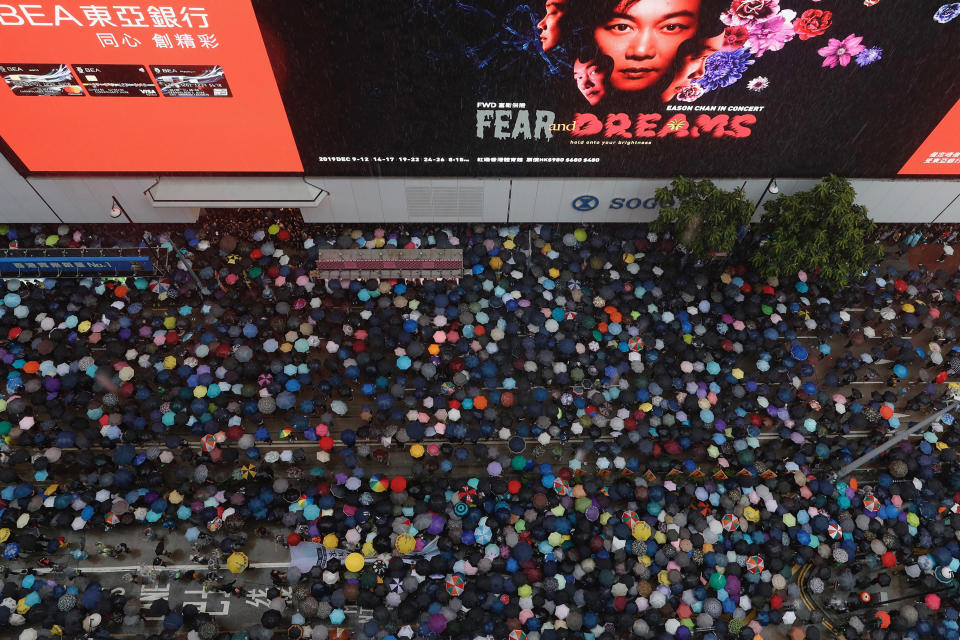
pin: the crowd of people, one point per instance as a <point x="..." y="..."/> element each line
<point x="589" y="435"/>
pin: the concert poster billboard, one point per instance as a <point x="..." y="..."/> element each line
<point x="620" y="88"/>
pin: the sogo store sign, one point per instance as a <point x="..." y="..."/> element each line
<point x="588" y="203"/>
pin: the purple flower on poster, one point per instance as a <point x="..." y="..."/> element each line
<point x="723" y="68"/>
<point x="869" y="56"/>
<point x="771" y="34"/>
<point x="947" y="12"/>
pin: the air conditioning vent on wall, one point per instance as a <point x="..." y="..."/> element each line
<point x="454" y="202"/>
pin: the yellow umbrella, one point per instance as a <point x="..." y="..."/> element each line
<point x="354" y="562"/>
<point x="405" y="543"/>
<point x="4" y="534"/>
<point x="238" y="562"/>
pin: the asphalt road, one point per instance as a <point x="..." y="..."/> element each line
<point x="237" y="613"/>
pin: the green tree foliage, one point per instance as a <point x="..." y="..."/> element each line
<point x="820" y="230"/>
<point x="705" y="218"/>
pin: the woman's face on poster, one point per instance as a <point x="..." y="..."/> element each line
<point x="642" y="37"/>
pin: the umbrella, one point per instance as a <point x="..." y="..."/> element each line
<point x="834" y="531"/>
<point x="483" y="534"/>
<point x="238" y="562"/>
<point x="11" y="551"/>
<point x="248" y="471"/>
<point x="455" y="585"/>
<point x="871" y="503"/>
<point x="730" y="522"/>
<point x="630" y="518"/>
<point x="754" y="564"/>
<point x="160" y="286"/>
<point x="209" y="442"/>
<point x="66" y="602"/>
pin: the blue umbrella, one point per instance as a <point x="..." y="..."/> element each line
<point x="250" y="330"/>
<point x="91" y="596"/>
<point x="12" y="550"/>
<point x="403" y="363"/>
<point x="173" y="621"/>
<point x="286" y="400"/>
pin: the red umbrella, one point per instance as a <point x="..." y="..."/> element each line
<point x="933" y="601"/>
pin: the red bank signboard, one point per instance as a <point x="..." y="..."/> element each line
<point x="131" y="86"/>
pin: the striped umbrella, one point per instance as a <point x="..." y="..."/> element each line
<point x="871" y="503"/>
<point x="730" y="522"/>
<point x="209" y="442"/>
<point x="483" y="534"/>
<point x="834" y="530"/>
<point x="562" y="487"/>
<point x="630" y="518"/>
<point x="635" y="343"/>
<point x="517" y="634"/>
<point x="455" y="585"/>
<point x="754" y="564"/>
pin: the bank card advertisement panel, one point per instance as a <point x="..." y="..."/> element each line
<point x="135" y="73"/>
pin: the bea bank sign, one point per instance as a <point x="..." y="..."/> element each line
<point x="588" y="203"/>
